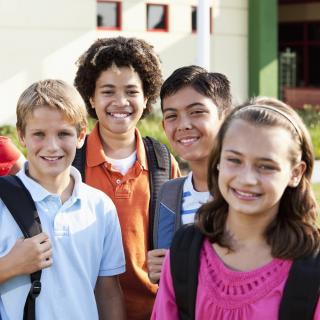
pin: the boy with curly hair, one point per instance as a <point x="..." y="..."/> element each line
<point x="119" y="80"/>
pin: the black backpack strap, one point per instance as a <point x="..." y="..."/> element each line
<point x="167" y="217"/>
<point x="26" y="216"/>
<point x="301" y="292"/>
<point x="79" y="161"/>
<point x="159" y="163"/>
<point x="184" y="264"/>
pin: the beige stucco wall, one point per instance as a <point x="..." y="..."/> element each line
<point x="42" y="39"/>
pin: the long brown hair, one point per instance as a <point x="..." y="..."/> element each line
<point x="294" y="231"/>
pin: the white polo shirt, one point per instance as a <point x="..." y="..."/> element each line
<point x="86" y="242"/>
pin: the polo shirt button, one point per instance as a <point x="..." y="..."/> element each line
<point x="118" y="181"/>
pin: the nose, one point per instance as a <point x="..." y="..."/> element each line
<point x="121" y="100"/>
<point x="184" y="123"/>
<point x="52" y="143"/>
<point x="248" y="176"/>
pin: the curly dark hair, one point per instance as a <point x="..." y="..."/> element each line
<point x="123" y="52"/>
<point x="294" y="232"/>
<point x="213" y="85"/>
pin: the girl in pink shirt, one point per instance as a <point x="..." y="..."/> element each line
<point x="263" y="216"/>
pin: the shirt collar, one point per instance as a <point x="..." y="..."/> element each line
<point x="39" y="193"/>
<point x="96" y="156"/>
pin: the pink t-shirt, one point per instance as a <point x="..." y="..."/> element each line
<point x="225" y="294"/>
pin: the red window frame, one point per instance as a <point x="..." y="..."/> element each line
<point x="118" y="18"/>
<point x="166" y="17"/>
<point x="210" y="17"/>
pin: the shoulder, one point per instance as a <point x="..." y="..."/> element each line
<point x="95" y="196"/>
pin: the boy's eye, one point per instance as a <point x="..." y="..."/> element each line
<point x="107" y="92"/>
<point x="169" y="116"/>
<point x="64" y="133"/>
<point x="39" y="134"/>
<point x="133" y="92"/>
<point x="196" y="112"/>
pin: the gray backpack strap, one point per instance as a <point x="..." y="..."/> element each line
<point x="167" y="218"/>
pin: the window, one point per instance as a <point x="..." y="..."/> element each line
<point x="109" y="15"/>
<point x="302" y="39"/>
<point x="157" y="17"/>
<point x="194" y="19"/>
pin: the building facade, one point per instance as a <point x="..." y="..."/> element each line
<point x="43" y="39"/>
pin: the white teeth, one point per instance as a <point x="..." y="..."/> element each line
<point x="187" y="140"/>
<point x="246" y="194"/>
<point x="119" y="115"/>
<point x="51" y="158"/>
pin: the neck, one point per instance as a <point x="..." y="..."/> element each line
<point x="61" y="185"/>
<point x="117" y="145"/>
<point x="199" y="175"/>
<point x="246" y="229"/>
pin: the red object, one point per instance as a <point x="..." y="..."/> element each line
<point x="9" y="154"/>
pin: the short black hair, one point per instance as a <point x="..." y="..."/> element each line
<point x="213" y="85"/>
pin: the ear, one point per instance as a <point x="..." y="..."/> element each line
<point x="145" y="103"/>
<point x="21" y="138"/>
<point x="91" y="102"/>
<point x="296" y="174"/>
<point x="81" y="137"/>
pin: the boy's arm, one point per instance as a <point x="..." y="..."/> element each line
<point x="109" y="298"/>
<point x="26" y="256"/>
<point x="155" y="262"/>
<point x="175" y="170"/>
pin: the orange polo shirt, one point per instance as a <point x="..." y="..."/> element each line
<point x="131" y="195"/>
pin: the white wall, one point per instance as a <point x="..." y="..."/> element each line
<point x="43" y="39"/>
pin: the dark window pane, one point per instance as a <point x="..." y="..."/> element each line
<point x="291" y="32"/>
<point x="194" y="18"/>
<point x="107" y="14"/>
<point x="314" y="66"/>
<point x="156" y="17"/>
<point x="314" y="31"/>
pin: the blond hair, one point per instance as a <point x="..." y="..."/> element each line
<point x="53" y="94"/>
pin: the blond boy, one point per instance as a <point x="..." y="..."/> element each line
<point x="80" y="221"/>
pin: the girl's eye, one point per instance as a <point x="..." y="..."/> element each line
<point x="234" y="160"/>
<point x="266" y="167"/>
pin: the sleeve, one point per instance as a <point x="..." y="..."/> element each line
<point x="113" y="260"/>
<point x="175" y="171"/>
<point x="165" y="307"/>
<point x="317" y="312"/>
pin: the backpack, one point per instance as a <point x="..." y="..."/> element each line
<point x="301" y="292"/>
<point x="167" y="217"/>
<point x="26" y="216"/>
<point x="159" y="162"/>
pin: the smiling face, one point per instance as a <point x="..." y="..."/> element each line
<point x="191" y="122"/>
<point x="118" y="100"/>
<point x="255" y="168"/>
<point x="51" y="143"/>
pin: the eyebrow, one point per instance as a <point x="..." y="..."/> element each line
<point x="240" y="154"/>
<point x="113" y="86"/>
<point x="189" y="106"/>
